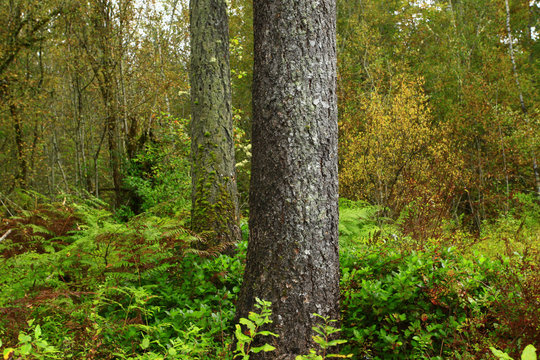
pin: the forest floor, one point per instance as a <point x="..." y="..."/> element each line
<point x="77" y="283"/>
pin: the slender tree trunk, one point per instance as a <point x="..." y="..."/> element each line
<point x="53" y="173"/>
<point x="214" y="193"/>
<point x="58" y="159"/>
<point x="104" y="69"/>
<point x="123" y="35"/>
<point x="111" y="123"/>
<point x="505" y="168"/>
<point x="22" y="165"/>
<point x="521" y="99"/>
<point x="512" y="58"/>
<point x="75" y="103"/>
<point x="96" y="157"/>
<point x="292" y="257"/>
<point x="163" y="77"/>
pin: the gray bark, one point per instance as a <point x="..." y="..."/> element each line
<point x="214" y="193"/>
<point x="292" y="257"/>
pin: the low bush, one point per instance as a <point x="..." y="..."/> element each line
<point x="450" y="298"/>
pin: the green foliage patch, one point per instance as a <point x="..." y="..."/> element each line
<point x="158" y="176"/>
<point x="77" y="283"/>
<point x="134" y="290"/>
<point x="445" y="298"/>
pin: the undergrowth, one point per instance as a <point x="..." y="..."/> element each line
<point x="100" y="289"/>
<point x="452" y="297"/>
<point x="78" y="284"/>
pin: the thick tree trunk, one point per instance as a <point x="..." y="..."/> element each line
<point x="292" y="256"/>
<point x="214" y="193"/>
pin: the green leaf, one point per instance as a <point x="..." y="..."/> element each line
<point x="319" y="340"/>
<point x="24" y="338"/>
<point x="37" y="331"/>
<point x="145" y="343"/>
<point x="249" y="324"/>
<point x="42" y="344"/>
<point x="267" y="333"/>
<point x="172" y="351"/>
<point x="336" y="342"/>
<point x="26" y="349"/>
<point x="264" y="348"/>
<point x="529" y="353"/>
<point x="8" y="352"/>
<point x="500" y="354"/>
<point x="331" y="330"/>
<point x="240" y="336"/>
<point x="258" y="319"/>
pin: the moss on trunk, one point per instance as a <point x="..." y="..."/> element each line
<point x="214" y="194"/>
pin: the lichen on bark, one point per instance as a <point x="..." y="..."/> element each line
<point x="292" y="257"/>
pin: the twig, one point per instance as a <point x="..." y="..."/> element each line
<point x="7" y="209"/>
<point x="6" y="235"/>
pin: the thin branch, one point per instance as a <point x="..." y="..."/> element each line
<point x="5" y="235"/>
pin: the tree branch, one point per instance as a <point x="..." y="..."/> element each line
<point x="5" y="235"/>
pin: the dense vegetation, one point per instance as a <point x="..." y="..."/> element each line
<point x="439" y="216"/>
<point x="77" y="283"/>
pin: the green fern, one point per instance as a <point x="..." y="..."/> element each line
<point x="358" y="221"/>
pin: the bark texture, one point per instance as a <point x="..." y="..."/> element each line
<point x="292" y="255"/>
<point x="214" y="194"/>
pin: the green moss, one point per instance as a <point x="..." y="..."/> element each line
<point x="214" y="211"/>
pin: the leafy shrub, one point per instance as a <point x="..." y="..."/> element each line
<point x="100" y="289"/>
<point x="158" y="176"/>
<point x="529" y="353"/>
<point x="31" y="345"/>
<point x="253" y="324"/>
<point x="325" y="340"/>
<point x="432" y="304"/>
<point x="360" y="222"/>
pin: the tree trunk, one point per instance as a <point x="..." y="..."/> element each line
<point x="104" y="67"/>
<point x="520" y="93"/>
<point x="292" y="257"/>
<point x="22" y="164"/>
<point x="214" y="194"/>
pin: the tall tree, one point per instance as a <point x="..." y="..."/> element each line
<point x="23" y="25"/>
<point x="214" y="193"/>
<point x="292" y="257"/>
<point x="520" y="92"/>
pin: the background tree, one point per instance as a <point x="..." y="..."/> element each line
<point x="24" y="25"/>
<point x="292" y="257"/>
<point x="457" y="51"/>
<point x="454" y="55"/>
<point x="214" y="195"/>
